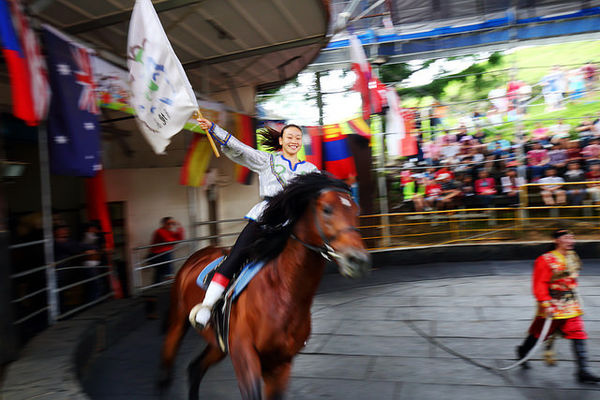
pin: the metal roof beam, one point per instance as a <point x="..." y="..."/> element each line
<point x="258" y="51"/>
<point x="121" y="16"/>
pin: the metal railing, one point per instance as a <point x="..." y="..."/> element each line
<point x="145" y="272"/>
<point x="531" y="221"/>
<point x="31" y="291"/>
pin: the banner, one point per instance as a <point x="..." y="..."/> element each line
<point x="161" y="94"/>
<point x="371" y="90"/>
<point x="73" y="131"/>
<point x="312" y="142"/>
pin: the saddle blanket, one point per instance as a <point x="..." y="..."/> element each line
<point x="241" y="281"/>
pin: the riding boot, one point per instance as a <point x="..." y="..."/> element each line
<point x="200" y="314"/>
<point x="523" y="349"/>
<point x="583" y="374"/>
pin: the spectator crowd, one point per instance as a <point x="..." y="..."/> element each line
<point x="458" y="169"/>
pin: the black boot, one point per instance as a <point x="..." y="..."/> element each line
<point x="583" y="374"/>
<point x="523" y="349"/>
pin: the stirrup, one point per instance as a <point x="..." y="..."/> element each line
<point x="192" y="316"/>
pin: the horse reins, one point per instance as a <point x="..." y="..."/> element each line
<point x="325" y="250"/>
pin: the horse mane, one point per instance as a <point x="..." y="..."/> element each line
<point x="285" y="209"/>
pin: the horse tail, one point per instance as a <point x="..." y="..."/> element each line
<point x="175" y="325"/>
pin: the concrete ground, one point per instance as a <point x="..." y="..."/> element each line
<point x="361" y="348"/>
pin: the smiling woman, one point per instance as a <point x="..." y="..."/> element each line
<point x="274" y="171"/>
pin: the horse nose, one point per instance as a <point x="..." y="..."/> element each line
<point x="359" y="263"/>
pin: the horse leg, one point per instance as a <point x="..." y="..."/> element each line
<point x="276" y="381"/>
<point x="197" y="368"/>
<point x="247" y="369"/>
<point x="176" y="330"/>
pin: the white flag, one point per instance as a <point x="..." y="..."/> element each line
<point x="161" y="94"/>
<point x="394" y="124"/>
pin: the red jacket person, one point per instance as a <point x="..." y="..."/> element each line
<point x="555" y="276"/>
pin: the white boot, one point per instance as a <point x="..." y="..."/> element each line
<point x="200" y="314"/>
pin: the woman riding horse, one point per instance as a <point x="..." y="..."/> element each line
<point x="274" y="172"/>
<point x="312" y="219"/>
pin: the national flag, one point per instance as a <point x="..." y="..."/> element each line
<point x="161" y="94"/>
<point x="97" y="209"/>
<point x="370" y="88"/>
<point x="336" y="153"/>
<point x="36" y="65"/>
<point x="18" y="71"/>
<point x="73" y="130"/>
<point x="312" y="142"/>
<point x="246" y="133"/>
<point x="196" y="161"/>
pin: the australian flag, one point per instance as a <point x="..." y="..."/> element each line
<point x="73" y="130"/>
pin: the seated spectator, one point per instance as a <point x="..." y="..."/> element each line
<point x="443" y="170"/>
<point x="450" y="192"/>
<point x="575" y="193"/>
<point x="594" y="188"/>
<point x="573" y="151"/>
<point x="479" y="136"/>
<point x="537" y="160"/>
<point x="485" y="188"/>
<point x="558" y="158"/>
<point x="431" y="152"/>
<point x="511" y="184"/>
<point x="591" y="152"/>
<point x="468" y="191"/>
<point x="414" y="192"/>
<point x="552" y="192"/>
<point x="585" y="130"/>
<point x="499" y="146"/>
<point x="433" y="192"/>
<point x="540" y="133"/>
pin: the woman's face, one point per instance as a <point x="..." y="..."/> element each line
<point x="291" y="141"/>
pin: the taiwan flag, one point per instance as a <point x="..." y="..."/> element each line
<point x="73" y="131"/>
<point x="18" y="70"/>
<point x="336" y="153"/>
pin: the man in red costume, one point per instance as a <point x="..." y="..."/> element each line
<point x="555" y="276"/>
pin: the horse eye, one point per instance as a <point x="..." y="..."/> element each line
<point x="328" y="210"/>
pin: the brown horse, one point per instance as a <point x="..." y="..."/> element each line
<point x="312" y="219"/>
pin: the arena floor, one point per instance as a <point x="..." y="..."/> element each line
<point x="362" y="348"/>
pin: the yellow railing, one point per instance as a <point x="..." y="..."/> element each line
<point x="501" y="224"/>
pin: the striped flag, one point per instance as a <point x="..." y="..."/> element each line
<point x="356" y="126"/>
<point x="161" y="94"/>
<point x="196" y="161"/>
<point x="336" y="153"/>
<point x="16" y="60"/>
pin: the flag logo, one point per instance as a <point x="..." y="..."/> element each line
<point x="85" y="77"/>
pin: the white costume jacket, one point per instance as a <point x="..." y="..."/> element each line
<point x="274" y="170"/>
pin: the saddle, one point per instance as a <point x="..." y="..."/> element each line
<point x="221" y="311"/>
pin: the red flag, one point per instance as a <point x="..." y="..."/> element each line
<point x="372" y="91"/>
<point x="246" y="133"/>
<point x="196" y="161"/>
<point x="313" y="145"/>
<point x="16" y="62"/>
<point x="98" y="210"/>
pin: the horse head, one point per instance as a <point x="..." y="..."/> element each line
<point x="336" y="221"/>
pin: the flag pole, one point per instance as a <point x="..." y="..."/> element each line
<point x="198" y="114"/>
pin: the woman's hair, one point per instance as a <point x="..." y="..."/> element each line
<point x="269" y="137"/>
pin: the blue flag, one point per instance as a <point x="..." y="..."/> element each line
<point x="73" y="130"/>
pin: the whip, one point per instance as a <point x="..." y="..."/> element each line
<point x="442" y="346"/>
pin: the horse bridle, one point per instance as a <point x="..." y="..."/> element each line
<point x="325" y="250"/>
